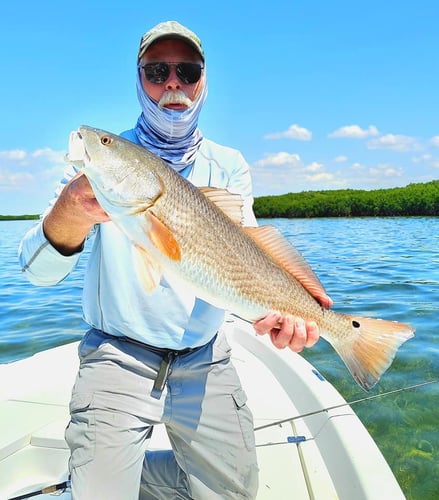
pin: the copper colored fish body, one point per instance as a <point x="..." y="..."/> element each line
<point x="194" y="236"/>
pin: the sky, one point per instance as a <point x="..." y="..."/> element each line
<point x="317" y="95"/>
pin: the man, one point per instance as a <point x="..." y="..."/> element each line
<point x="162" y="357"/>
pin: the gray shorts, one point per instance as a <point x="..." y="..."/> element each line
<point x="201" y="404"/>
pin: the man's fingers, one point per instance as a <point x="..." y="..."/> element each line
<point x="266" y="324"/>
<point x="290" y="331"/>
<point x="312" y="333"/>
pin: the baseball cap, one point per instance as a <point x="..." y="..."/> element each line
<point x="169" y="29"/>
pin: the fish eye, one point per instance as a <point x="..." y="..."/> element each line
<point x="106" y="140"/>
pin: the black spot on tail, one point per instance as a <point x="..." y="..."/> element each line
<point x="355" y="324"/>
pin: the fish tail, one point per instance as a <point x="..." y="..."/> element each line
<point x="371" y="346"/>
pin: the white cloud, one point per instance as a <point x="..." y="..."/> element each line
<point x="279" y="159"/>
<point x="379" y="170"/>
<point x="13" y="154"/>
<point x="49" y="154"/>
<point x="10" y="181"/>
<point x="394" y="142"/>
<point x="314" y="167"/>
<point x="27" y="172"/>
<point x="354" y="132"/>
<point x="357" y="166"/>
<point x="293" y="132"/>
<point x="427" y="160"/>
<point x="297" y="177"/>
<point x="384" y="171"/>
<point x="321" y="177"/>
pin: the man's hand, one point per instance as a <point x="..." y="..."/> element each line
<point x="288" y="331"/>
<point x="79" y="195"/>
<point x="75" y="212"/>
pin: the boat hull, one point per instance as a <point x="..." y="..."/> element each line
<point x="328" y="454"/>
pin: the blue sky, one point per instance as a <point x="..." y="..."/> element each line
<point x="316" y="94"/>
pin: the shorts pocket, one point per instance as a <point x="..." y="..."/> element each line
<point x="81" y="431"/>
<point x="245" y="418"/>
<point x="221" y="347"/>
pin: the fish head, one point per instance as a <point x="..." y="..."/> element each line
<point x="123" y="175"/>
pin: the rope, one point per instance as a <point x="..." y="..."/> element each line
<point x="350" y="403"/>
<point x="49" y="489"/>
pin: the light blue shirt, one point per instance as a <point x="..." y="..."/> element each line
<point x="114" y="299"/>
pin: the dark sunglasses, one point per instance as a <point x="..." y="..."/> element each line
<point x="158" y="72"/>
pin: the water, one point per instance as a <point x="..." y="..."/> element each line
<point x="381" y="267"/>
<point x="34" y="318"/>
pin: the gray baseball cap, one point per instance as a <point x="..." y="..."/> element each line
<point x="169" y="29"/>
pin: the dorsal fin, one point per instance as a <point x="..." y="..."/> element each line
<point x="270" y="239"/>
<point x="230" y="203"/>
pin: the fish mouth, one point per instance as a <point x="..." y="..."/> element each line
<point x="77" y="154"/>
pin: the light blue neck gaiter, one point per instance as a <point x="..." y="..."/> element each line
<point x="173" y="135"/>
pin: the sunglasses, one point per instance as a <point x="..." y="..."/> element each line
<point x="158" y="72"/>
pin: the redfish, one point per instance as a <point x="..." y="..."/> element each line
<point x="194" y="236"/>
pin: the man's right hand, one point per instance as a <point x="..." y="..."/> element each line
<point x="80" y="194"/>
<point x="74" y="213"/>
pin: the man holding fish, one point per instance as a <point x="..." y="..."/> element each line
<point x="155" y="352"/>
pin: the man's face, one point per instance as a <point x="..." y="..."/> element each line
<point x="172" y="51"/>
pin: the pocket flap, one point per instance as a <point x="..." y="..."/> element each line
<point x="80" y="401"/>
<point x="240" y="397"/>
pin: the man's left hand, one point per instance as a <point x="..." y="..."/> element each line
<point x="288" y="331"/>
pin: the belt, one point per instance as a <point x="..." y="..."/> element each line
<point x="158" y="350"/>
<point x="168" y="357"/>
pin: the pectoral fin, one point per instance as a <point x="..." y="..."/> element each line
<point x="162" y="238"/>
<point x="148" y="270"/>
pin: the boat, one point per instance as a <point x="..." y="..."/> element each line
<point x="310" y="443"/>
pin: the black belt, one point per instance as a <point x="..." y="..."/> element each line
<point x="168" y="357"/>
<point x="159" y="350"/>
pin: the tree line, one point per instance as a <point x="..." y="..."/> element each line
<point x="414" y="199"/>
<point x="19" y="217"/>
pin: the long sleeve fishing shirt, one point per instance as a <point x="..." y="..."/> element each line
<point x="114" y="299"/>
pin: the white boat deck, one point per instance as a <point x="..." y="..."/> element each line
<point x="334" y="456"/>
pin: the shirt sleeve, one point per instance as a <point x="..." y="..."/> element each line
<point x="40" y="262"/>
